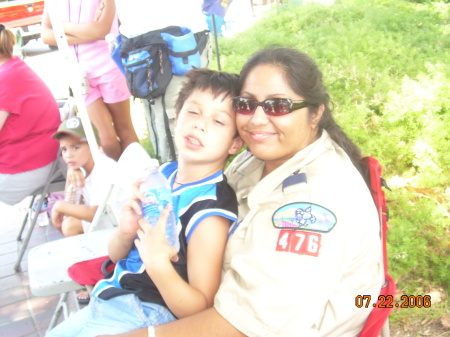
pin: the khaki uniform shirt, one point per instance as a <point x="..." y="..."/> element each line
<point x="284" y="282"/>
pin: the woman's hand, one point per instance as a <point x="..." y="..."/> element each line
<point x="153" y="248"/>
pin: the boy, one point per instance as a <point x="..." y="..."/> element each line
<point x="146" y="288"/>
<point x="73" y="219"/>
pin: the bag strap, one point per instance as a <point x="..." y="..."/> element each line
<point x="144" y="40"/>
<point x="167" y="127"/>
<point x="183" y="54"/>
<point x="202" y="40"/>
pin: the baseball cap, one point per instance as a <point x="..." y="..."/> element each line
<point x="74" y="127"/>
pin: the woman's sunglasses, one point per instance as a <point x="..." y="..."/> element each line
<point x="271" y="107"/>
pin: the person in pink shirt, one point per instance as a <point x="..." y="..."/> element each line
<point x="86" y="23"/>
<point x="29" y="116"/>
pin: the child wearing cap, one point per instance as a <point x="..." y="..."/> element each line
<point x="73" y="219"/>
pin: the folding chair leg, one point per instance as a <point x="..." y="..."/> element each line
<point x="24" y="223"/>
<point x="30" y="231"/>
<point x="67" y="305"/>
<point x="58" y="311"/>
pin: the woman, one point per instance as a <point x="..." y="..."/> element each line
<point x="29" y="115"/>
<point x="86" y="23"/>
<point x="299" y="173"/>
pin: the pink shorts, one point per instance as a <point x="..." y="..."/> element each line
<point x="112" y="87"/>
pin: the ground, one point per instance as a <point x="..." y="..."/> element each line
<point x="429" y="328"/>
<point x="421" y="322"/>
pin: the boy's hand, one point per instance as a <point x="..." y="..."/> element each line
<point x="137" y="194"/>
<point x="153" y="248"/>
<point x="128" y="224"/>
<point x="57" y="216"/>
<point x="75" y="176"/>
<point x="131" y="213"/>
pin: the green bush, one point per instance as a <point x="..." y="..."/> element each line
<point x="418" y="241"/>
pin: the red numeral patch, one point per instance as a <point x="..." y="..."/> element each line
<point x="303" y="243"/>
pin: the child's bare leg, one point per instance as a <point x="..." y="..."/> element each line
<point x="123" y="124"/>
<point x="71" y="226"/>
<point x="100" y="116"/>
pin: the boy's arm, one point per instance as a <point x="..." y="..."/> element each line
<point x="204" y="264"/>
<point x="82" y="212"/>
<point x="121" y="241"/>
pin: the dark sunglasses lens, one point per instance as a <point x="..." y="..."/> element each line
<point x="244" y="106"/>
<point x="277" y="106"/>
<point x="272" y="107"/>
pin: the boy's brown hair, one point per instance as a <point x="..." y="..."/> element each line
<point x="218" y="82"/>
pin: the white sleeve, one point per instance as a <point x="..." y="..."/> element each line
<point x="102" y="179"/>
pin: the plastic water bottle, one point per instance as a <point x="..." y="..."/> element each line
<point x="42" y="219"/>
<point x="72" y="194"/>
<point x="157" y="189"/>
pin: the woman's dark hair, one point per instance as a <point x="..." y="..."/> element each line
<point x="7" y="42"/>
<point x="305" y="78"/>
<point x="218" y="82"/>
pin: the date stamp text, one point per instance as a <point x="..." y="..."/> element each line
<point x="387" y="301"/>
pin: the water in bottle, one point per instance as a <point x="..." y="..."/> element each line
<point x="72" y="194"/>
<point x="157" y="189"/>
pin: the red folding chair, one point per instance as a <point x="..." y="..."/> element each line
<point x="377" y="322"/>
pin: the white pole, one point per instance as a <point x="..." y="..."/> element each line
<point x="74" y="74"/>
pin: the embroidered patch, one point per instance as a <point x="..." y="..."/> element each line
<point x="299" y="242"/>
<point x="72" y="123"/>
<point x="304" y="216"/>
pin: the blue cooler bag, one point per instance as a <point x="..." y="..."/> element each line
<point x="183" y="51"/>
<point x="145" y="58"/>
